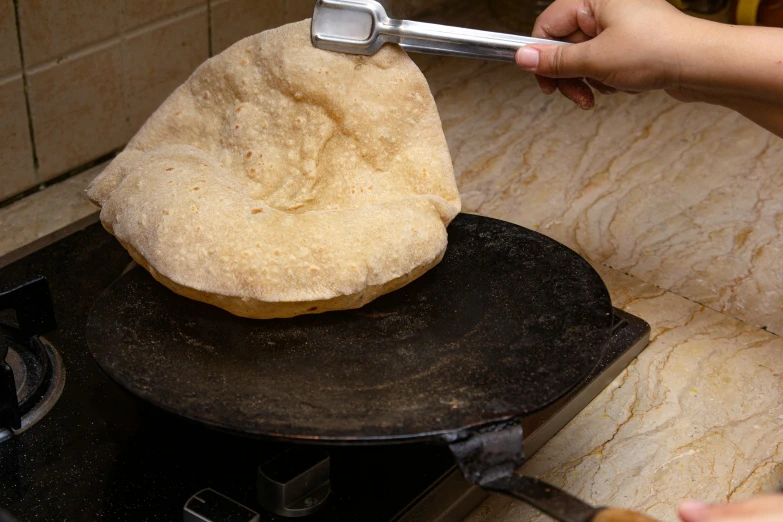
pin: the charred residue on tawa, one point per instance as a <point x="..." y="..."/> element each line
<point x="197" y="343"/>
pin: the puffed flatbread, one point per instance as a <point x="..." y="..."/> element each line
<point x="281" y="180"/>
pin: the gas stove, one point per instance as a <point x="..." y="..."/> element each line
<point x="32" y="373"/>
<point x="83" y="449"/>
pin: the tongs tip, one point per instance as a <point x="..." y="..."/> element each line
<point x="362" y="27"/>
<point x="349" y="26"/>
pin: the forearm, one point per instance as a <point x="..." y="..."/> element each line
<point x="734" y="61"/>
<point x="765" y="114"/>
<point x="692" y="59"/>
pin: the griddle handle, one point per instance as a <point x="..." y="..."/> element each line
<point x="546" y="498"/>
<point x="557" y="503"/>
<point x="489" y="456"/>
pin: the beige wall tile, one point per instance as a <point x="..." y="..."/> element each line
<point x="158" y="60"/>
<point x="9" y="45"/>
<point x="46" y="216"/>
<point x="53" y="28"/>
<point x="298" y="10"/>
<point x="140" y="12"/>
<point x="78" y="110"/>
<point x="233" y="20"/>
<point x="16" y="153"/>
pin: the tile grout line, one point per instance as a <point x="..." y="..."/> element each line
<point x="26" y="91"/>
<point x="119" y="38"/>
<point x="75" y="54"/>
<point x="123" y="33"/>
<point x="162" y="22"/>
<point x="10" y="77"/>
<point x="209" y="28"/>
<point x="62" y="177"/>
<point x="124" y="83"/>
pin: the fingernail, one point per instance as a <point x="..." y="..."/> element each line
<point x="527" y="58"/>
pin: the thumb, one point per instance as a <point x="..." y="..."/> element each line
<point x="556" y="61"/>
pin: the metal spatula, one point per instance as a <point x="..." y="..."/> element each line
<point x="362" y="27"/>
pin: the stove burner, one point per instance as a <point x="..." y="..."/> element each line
<point x="31" y="371"/>
<point x="39" y="378"/>
<point x="19" y="370"/>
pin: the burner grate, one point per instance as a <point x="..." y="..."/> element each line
<point x="31" y="373"/>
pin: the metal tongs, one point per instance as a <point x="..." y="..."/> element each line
<point x="362" y="27"/>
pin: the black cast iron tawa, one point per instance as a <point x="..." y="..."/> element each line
<point x="506" y="324"/>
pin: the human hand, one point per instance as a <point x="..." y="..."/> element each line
<point x="628" y="45"/>
<point x="640" y="45"/>
<point x="765" y="508"/>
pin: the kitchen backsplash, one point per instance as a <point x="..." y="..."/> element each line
<point x="79" y="77"/>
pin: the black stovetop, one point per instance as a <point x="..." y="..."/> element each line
<point x="101" y="454"/>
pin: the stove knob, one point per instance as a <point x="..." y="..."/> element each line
<point x="210" y="506"/>
<point x="295" y="483"/>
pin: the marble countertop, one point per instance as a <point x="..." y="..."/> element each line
<point x="688" y="197"/>
<point x="699" y="414"/>
<point x="679" y="207"/>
